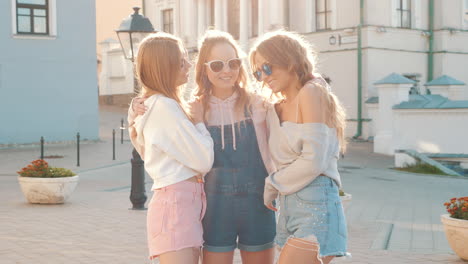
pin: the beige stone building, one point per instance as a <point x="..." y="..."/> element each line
<point x="358" y="42"/>
<point x="109" y="15"/>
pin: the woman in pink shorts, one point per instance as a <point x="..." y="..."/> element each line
<point x="177" y="150"/>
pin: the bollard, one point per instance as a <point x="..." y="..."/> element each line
<point x="137" y="191"/>
<point x="42" y="148"/>
<point x="113" y="144"/>
<point x="121" y="130"/>
<point x="78" y="149"/>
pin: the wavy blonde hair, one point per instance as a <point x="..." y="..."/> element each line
<point x="290" y="51"/>
<point x="158" y="64"/>
<point x="204" y="87"/>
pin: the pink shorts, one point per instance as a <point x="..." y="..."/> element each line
<point x="174" y="218"/>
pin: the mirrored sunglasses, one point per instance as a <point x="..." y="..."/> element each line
<point x="218" y="65"/>
<point x="266" y="68"/>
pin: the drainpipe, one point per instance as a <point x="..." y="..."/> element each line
<point x="359" y="84"/>
<point x="430" y="55"/>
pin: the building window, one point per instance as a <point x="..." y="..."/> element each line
<point x="168" y="20"/>
<point x="254" y="22"/>
<point x="404" y="13"/>
<point x="212" y="14"/>
<point x="465" y="13"/>
<point x="233" y="9"/>
<point x="32" y="17"/>
<point x="322" y="14"/>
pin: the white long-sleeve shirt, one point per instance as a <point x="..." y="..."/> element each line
<point x="173" y="148"/>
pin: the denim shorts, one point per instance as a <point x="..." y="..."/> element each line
<point x="238" y="222"/>
<point x="314" y="210"/>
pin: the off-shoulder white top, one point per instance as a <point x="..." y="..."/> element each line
<point x="300" y="152"/>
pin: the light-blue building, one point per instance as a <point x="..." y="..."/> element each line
<point x="48" y="79"/>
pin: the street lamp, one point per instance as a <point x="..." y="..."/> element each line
<point x="131" y="32"/>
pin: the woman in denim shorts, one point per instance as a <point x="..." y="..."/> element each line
<point x="306" y="128"/>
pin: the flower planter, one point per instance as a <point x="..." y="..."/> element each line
<point x="346" y="201"/>
<point x="47" y="190"/>
<point x="456" y="231"/>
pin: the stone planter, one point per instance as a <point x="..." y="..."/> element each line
<point x="456" y="231"/>
<point x="346" y="201"/>
<point x="47" y="190"/>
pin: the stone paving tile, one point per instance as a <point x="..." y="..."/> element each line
<point x="97" y="227"/>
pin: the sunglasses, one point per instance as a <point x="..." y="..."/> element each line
<point x="266" y="68"/>
<point x="218" y="65"/>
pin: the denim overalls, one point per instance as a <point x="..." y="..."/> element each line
<point x="235" y="214"/>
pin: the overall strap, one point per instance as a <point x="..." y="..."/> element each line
<point x="248" y="111"/>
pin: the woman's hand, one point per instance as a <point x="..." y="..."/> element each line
<point x="271" y="207"/>
<point x="196" y="111"/>
<point x="138" y="105"/>
<point x="269" y="195"/>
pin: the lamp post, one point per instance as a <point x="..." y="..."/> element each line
<point x="131" y="32"/>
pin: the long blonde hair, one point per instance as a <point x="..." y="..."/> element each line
<point x="204" y="86"/>
<point x="158" y="64"/>
<point x="290" y="51"/>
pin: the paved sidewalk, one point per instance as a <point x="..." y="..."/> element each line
<point x="93" y="154"/>
<point x="394" y="217"/>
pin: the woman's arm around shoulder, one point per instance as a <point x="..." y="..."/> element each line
<point x="136" y="108"/>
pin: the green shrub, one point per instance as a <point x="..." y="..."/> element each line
<point x="40" y="169"/>
<point x="420" y="167"/>
<point x="60" y="172"/>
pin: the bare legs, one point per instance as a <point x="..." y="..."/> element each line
<point x="302" y="251"/>
<point x="261" y="257"/>
<point x="296" y="250"/>
<point x="218" y="257"/>
<point x="186" y="255"/>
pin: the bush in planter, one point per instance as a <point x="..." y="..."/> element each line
<point x="46" y="185"/>
<point x="40" y="169"/>
<point x="456" y="225"/>
<point x="458" y="208"/>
